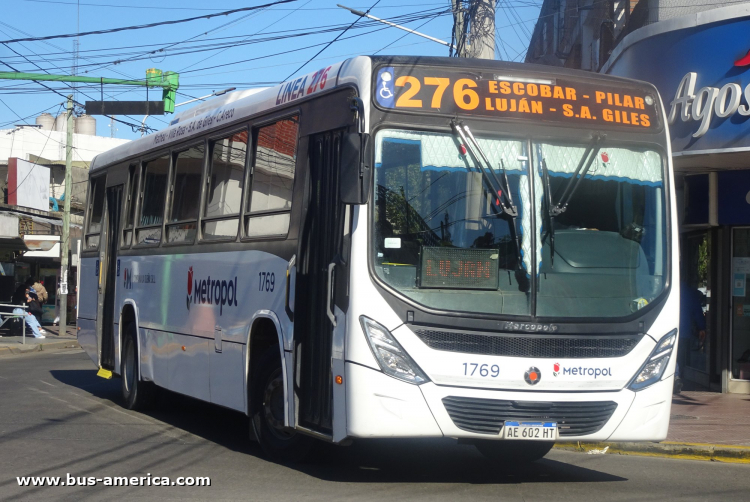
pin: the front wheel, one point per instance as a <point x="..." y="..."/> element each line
<point x="513" y="452"/>
<point x="278" y="442"/>
<point x="136" y="393"/>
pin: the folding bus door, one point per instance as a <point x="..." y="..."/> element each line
<point x="318" y="257"/>
<point x="108" y="277"/>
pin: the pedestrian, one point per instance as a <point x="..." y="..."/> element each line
<point x="22" y="296"/>
<point x="41" y="291"/>
<point x="57" y="306"/>
<point x="692" y="325"/>
<point x="36" y="306"/>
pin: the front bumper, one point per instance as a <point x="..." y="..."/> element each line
<point x="379" y="406"/>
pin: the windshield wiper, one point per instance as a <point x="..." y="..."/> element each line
<point x="502" y="191"/>
<point x="548" y="209"/>
<point x="556" y="209"/>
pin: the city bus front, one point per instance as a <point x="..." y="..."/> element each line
<point x="513" y="271"/>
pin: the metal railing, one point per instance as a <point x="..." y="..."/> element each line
<point x="6" y="316"/>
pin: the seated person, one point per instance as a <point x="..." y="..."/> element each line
<point x="23" y="297"/>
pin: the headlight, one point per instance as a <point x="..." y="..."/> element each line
<point x="392" y="358"/>
<point x="657" y="362"/>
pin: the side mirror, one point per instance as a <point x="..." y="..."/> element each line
<point x="354" y="169"/>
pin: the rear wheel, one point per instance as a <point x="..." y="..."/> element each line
<point x="514" y="452"/>
<point x="278" y="442"/>
<point x="136" y="393"/>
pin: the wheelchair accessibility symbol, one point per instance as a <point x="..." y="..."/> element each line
<point x="385" y="90"/>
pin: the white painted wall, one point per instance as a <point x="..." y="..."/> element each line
<point x="51" y="144"/>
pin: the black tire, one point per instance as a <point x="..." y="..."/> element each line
<point x="514" y="452"/>
<point x="279" y="443"/>
<point x="136" y="394"/>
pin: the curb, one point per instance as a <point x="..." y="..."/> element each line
<point x="40" y="347"/>
<point x="667" y="449"/>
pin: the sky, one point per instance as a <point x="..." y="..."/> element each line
<point x="255" y="48"/>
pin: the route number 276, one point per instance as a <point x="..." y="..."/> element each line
<point x="463" y="94"/>
<point x="266" y="281"/>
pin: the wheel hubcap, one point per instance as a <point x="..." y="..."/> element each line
<point x="273" y="406"/>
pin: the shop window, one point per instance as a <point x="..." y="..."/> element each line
<point x="270" y="202"/>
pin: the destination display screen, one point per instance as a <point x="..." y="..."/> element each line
<point x="456" y="268"/>
<point x="492" y="94"/>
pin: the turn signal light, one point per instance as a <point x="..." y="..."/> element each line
<point x="339" y="379"/>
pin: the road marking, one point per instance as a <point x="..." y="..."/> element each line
<point x="48" y="383"/>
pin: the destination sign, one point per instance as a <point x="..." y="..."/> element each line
<point x="457" y="268"/>
<point x="562" y="100"/>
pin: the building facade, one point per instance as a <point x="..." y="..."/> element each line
<point x="698" y="57"/>
<point x="32" y="180"/>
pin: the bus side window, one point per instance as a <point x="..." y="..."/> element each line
<point x="185" y="195"/>
<point x="95" y="211"/>
<point x="152" y="201"/>
<point x="127" y="236"/>
<point x="270" y="200"/>
<point x="221" y="214"/>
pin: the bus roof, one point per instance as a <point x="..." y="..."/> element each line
<point x="235" y="107"/>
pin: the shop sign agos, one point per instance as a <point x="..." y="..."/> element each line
<point x="701" y="106"/>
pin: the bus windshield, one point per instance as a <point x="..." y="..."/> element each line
<point x="440" y="238"/>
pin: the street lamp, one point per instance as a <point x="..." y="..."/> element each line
<point x="202" y="98"/>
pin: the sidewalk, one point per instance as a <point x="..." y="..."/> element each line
<point x="53" y="340"/>
<point x="702" y="426"/>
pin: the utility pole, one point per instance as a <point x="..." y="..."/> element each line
<point x="168" y="81"/>
<point x="66" y="219"/>
<point x="474" y="28"/>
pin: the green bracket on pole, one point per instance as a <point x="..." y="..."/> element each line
<point x="169" y="82"/>
<point x="169" y="94"/>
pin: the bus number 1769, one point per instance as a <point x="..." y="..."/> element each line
<point x="266" y="281"/>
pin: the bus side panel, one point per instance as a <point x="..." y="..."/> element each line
<point x="87" y="338"/>
<point x="179" y="362"/>
<point x="228" y="375"/>
<point x="194" y="315"/>
<point x="87" y="298"/>
<point x="89" y="288"/>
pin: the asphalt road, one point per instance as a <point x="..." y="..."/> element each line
<point x="57" y="417"/>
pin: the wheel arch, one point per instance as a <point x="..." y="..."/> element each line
<point x="128" y="313"/>
<point x="265" y="332"/>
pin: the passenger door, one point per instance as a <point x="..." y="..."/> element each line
<point x="318" y="264"/>
<point x="108" y="277"/>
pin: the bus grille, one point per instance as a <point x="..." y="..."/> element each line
<point x="487" y="416"/>
<point x="556" y="346"/>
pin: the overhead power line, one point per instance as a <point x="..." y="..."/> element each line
<point x="185" y="8"/>
<point x="331" y="42"/>
<point x="148" y="25"/>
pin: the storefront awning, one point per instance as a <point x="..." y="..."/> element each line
<point x="12" y="244"/>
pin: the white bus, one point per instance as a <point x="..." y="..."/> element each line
<point x="397" y="247"/>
